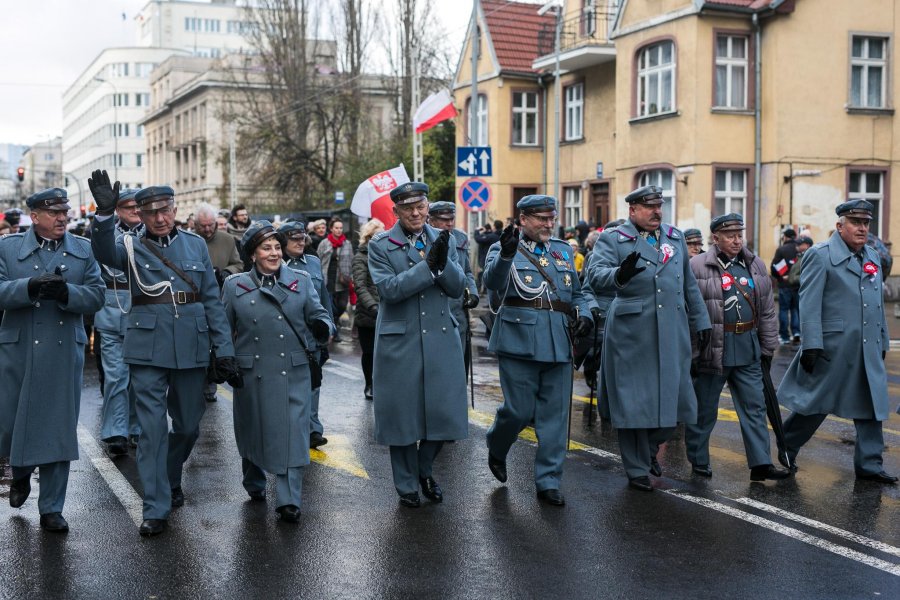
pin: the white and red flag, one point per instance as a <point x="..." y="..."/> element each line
<point x="436" y="108"/>
<point x="373" y="194"/>
<point x="782" y="267"/>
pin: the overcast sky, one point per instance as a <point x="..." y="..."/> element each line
<point x="46" y="44"/>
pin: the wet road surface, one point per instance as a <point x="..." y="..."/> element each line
<point x="821" y="534"/>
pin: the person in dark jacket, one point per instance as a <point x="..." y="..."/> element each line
<point x="366" y="300"/>
<point x="788" y="295"/>
<point x="738" y="295"/>
<point x="485" y="238"/>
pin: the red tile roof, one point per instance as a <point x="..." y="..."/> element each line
<point x="514" y="28"/>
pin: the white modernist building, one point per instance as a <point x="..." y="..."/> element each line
<point x="103" y="108"/>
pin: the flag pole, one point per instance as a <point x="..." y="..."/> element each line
<point x="418" y="158"/>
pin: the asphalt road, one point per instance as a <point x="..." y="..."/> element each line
<point x="818" y="535"/>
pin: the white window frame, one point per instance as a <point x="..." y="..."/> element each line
<point x="732" y="64"/>
<point x="571" y="206"/>
<point x="646" y="74"/>
<point x="480" y="112"/>
<point x="866" y="64"/>
<point x="876" y="198"/>
<point x="574" y="99"/>
<point x="727" y="195"/>
<point x="664" y="178"/>
<point x="525" y="113"/>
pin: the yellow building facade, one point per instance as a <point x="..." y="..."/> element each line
<point x="779" y="109"/>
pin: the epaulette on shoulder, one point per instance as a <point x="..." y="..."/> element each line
<point x="81" y="238"/>
<point x="182" y="231"/>
<point x="620" y="235"/>
<point x="556" y="239"/>
<point x="673" y="232"/>
<point x="301" y="272"/>
<point x="233" y="275"/>
<point x="380" y="235"/>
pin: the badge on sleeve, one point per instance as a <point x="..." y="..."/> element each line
<point x="727" y="281"/>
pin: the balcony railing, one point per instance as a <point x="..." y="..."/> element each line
<point x="591" y="28"/>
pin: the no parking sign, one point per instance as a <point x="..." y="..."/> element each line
<point x="475" y="194"/>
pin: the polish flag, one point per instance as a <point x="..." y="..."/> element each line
<point x="436" y="108"/>
<point x="373" y="193"/>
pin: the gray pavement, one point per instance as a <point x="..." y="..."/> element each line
<point x="818" y="535"/>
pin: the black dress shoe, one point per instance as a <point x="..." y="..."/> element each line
<point x="655" y="469"/>
<point x="316" y="439"/>
<point x="880" y="477"/>
<point x="410" y="500"/>
<point x="702" y="470"/>
<point x="257" y="495"/>
<point x="641" y="483"/>
<point x="763" y="472"/>
<point x="117" y="445"/>
<point x="177" y="497"/>
<point x="431" y="489"/>
<point x="552" y="497"/>
<point x="133" y="440"/>
<point x="210" y="397"/>
<point x="783" y="459"/>
<point x="54" y="522"/>
<point x="19" y="490"/>
<point x="497" y="467"/>
<point x="368" y="392"/>
<point x="152" y="527"/>
<point x="288" y="513"/>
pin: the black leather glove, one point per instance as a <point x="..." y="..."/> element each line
<point x="227" y="369"/>
<point x="583" y="327"/>
<point x="105" y="195"/>
<point x="628" y="269"/>
<point x="437" y="256"/>
<point x="883" y="354"/>
<point x="597" y="314"/>
<point x="509" y="241"/>
<point x="324" y="355"/>
<point x="320" y="330"/>
<point x="694" y="370"/>
<point x="809" y="357"/>
<point x="703" y="338"/>
<point x="36" y="285"/>
<point x="220" y="275"/>
<point x="765" y="362"/>
<point x="471" y="300"/>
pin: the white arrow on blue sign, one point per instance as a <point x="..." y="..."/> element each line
<point x="474" y="161"/>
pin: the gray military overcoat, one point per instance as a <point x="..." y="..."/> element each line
<point x="271" y="411"/>
<point x="419" y="378"/>
<point x="647" y="341"/>
<point x="841" y="312"/>
<point x="42" y="349"/>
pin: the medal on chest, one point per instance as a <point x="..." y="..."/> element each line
<point x="544" y="262"/>
<point x="727" y="281"/>
<point x="567" y="280"/>
<point x="668" y="251"/>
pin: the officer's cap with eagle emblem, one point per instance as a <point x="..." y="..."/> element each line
<point x="442" y="210"/>
<point x="860" y="209"/>
<point x="729" y="222"/>
<point x="539" y="205"/>
<point x="258" y="232"/>
<point x="649" y="194"/>
<point x="409" y="193"/>
<point x="154" y="197"/>
<point x="49" y="199"/>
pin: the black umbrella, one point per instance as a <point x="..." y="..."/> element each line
<point x="773" y="411"/>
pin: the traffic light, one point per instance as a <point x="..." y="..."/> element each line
<point x="20" y="173"/>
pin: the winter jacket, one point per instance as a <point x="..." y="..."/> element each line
<point x="366" y="292"/>
<point x="708" y="274"/>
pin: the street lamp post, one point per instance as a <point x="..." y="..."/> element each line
<point x="115" y="125"/>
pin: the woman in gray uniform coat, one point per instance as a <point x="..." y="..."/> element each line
<point x="276" y="317"/>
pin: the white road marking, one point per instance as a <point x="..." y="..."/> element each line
<point x="790" y="532"/>
<point x="847" y="535"/>
<point x="126" y="494"/>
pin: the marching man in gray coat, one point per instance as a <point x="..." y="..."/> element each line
<point x="419" y="378"/>
<point x="840" y="368"/>
<point x="48" y="281"/>
<point x="647" y="342"/>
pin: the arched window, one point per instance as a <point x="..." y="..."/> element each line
<point x="656" y="79"/>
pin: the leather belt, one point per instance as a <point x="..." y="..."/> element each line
<point x="539" y="304"/>
<point x="180" y="298"/>
<point x="116" y="286"/>
<point x="740" y="327"/>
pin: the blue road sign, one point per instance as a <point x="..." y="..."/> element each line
<point x="474" y="161"/>
<point x="475" y="194"/>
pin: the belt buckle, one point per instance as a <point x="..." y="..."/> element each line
<point x="742" y="327"/>
<point x="181" y="297"/>
<point x="539" y="303"/>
